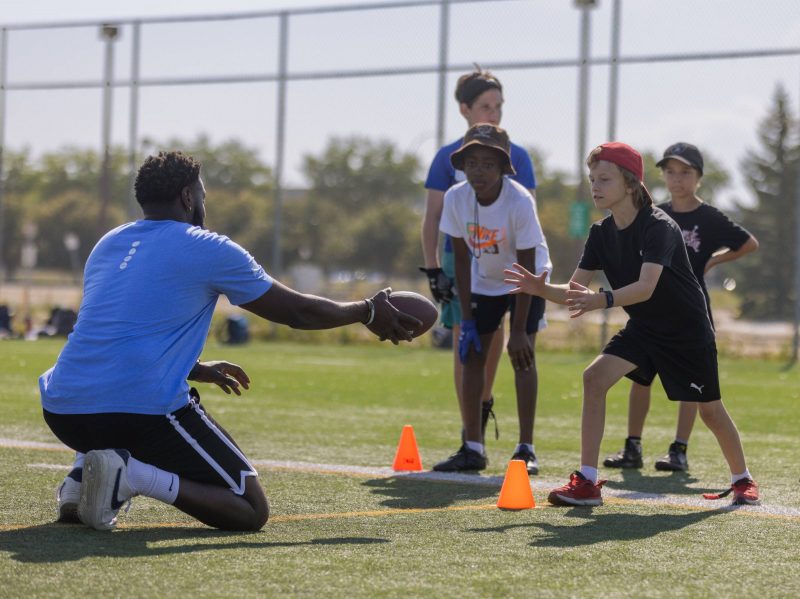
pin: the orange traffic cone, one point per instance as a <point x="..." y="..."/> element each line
<point x="407" y="457"/>
<point x="516" y="492"/>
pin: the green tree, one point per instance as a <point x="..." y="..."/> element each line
<point x="363" y="209"/>
<point x="554" y="195"/>
<point x="239" y="186"/>
<point x="771" y="171"/>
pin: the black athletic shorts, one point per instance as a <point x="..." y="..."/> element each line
<point x="187" y="442"/>
<point x="687" y="374"/>
<point x="488" y="312"/>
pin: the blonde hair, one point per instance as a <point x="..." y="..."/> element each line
<point x="640" y="199"/>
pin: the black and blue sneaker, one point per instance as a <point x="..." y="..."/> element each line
<point x="629" y="456"/>
<point x="675" y="460"/>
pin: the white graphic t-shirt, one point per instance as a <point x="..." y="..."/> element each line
<point x="494" y="233"/>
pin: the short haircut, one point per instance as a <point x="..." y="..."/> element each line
<point x="161" y="178"/>
<point x="473" y="84"/>
<point x="640" y="199"/>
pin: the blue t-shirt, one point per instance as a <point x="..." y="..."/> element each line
<point x="150" y="288"/>
<point x="442" y="175"/>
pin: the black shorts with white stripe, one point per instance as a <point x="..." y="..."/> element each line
<point x="187" y="442"/>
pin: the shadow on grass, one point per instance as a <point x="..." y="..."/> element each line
<point x="53" y="543"/>
<point x="673" y="483"/>
<point x="598" y="527"/>
<point x="406" y="493"/>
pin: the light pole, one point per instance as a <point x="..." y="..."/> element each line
<point x="579" y="210"/>
<point x="108" y="33"/>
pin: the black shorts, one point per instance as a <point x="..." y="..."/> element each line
<point x="488" y="312"/>
<point x="186" y="442"/>
<point x="687" y="374"/>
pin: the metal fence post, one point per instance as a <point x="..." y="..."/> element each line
<point x="283" y="44"/>
<point x="133" y="122"/>
<point x="444" y="42"/>
<point x="108" y="33"/>
<point x="3" y="62"/>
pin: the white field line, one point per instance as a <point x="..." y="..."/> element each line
<point x="540" y="486"/>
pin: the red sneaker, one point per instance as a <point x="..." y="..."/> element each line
<point x="745" y="492"/>
<point x="578" y="491"/>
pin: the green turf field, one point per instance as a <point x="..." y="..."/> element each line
<point x="363" y="532"/>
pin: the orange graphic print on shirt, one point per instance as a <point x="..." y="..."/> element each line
<point x="485" y="240"/>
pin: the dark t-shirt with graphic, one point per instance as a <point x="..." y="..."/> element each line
<point x="706" y="230"/>
<point x="676" y="312"/>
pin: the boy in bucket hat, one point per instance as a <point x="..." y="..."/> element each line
<point x="480" y="99"/>
<point x="710" y="238"/>
<point x="641" y="251"/>
<point x="493" y="223"/>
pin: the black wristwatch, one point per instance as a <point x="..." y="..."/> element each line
<point x="609" y="297"/>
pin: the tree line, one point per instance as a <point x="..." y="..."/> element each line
<point x="362" y="208"/>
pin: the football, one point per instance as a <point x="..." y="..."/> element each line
<point x="417" y="306"/>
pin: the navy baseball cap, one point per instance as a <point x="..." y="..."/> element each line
<point x="683" y="152"/>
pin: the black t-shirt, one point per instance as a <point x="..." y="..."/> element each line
<point x="676" y="312"/>
<point x="706" y="230"/>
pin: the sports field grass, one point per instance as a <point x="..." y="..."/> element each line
<point x="322" y="423"/>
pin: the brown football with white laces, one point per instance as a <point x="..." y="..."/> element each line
<point x="418" y="306"/>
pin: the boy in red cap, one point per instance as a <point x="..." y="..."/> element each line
<point x="711" y="238"/>
<point x="641" y="251"/>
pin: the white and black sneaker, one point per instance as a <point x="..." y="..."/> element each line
<point x="105" y="488"/>
<point x="68" y="495"/>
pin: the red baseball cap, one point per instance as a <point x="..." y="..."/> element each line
<point x="625" y="157"/>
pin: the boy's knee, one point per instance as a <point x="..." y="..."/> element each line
<point x="711" y="413"/>
<point x="259" y="505"/>
<point x="260" y="515"/>
<point x="593" y="381"/>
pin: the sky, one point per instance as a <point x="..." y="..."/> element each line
<point x="715" y="104"/>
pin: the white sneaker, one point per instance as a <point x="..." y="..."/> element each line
<point x="105" y="487"/>
<point x="68" y="495"/>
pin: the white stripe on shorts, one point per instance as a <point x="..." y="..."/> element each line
<point x="238" y="489"/>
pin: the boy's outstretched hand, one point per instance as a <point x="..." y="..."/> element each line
<point x="525" y="280"/>
<point x="581" y="300"/>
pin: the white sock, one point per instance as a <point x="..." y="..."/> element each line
<point x="79" y="457"/>
<point x="150" y="481"/>
<point x="521" y="446"/>
<point x="475" y="446"/>
<point x="738" y="477"/>
<point x="76" y="473"/>
<point x="589" y="473"/>
<point x="684" y="441"/>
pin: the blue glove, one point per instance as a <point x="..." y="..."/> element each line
<point x="468" y="337"/>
